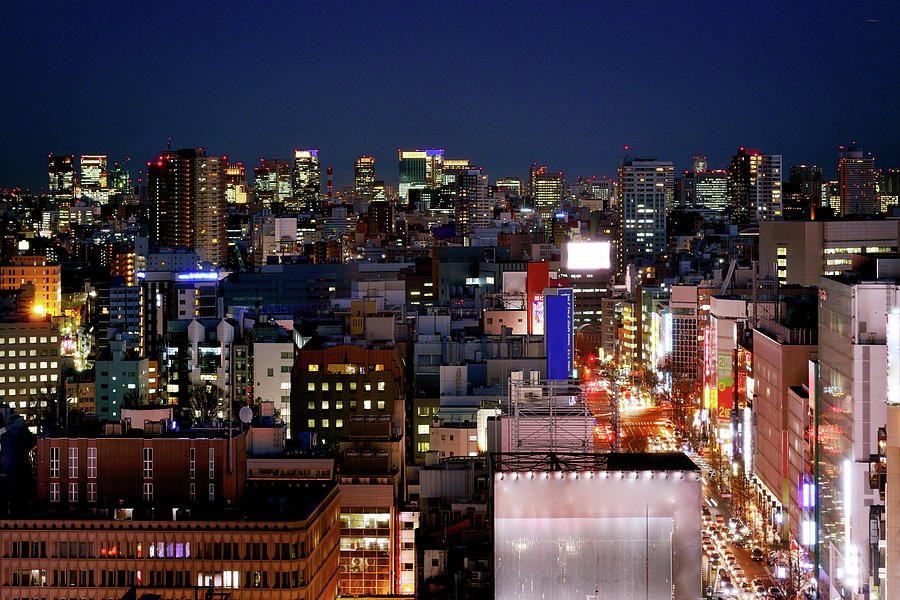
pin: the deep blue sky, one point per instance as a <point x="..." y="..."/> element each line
<point x="504" y="84"/>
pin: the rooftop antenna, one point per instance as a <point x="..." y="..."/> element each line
<point x="170" y="142"/>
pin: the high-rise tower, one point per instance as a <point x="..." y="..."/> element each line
<point x="472" y="206"/>
<point x="645" y="188"/>
<point x="754" y="186"/>
<point x="364" y="176"/>
<point x="856" y="177"/>
<point x="187" y="202"/>
<point x="307" y="181"/>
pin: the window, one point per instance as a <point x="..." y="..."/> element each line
<point x="352" y="386"/>
<point x="270" y="372"/>
<point x="92" y="462"/>
<point x="212" y="463"/>
<point x="311" y="423"/>
<point x="148" y="492"/>
<point x="193" y="463"/>
<point x="212" y="492"/>
<point x="324" y="386"/>
<point x="287" y="355"/>
<point x="368" y="387"/>
<point x="380" y="386"/>
<point x="339" y="386"/>
<point x="423" y="429"/>
<point x="339" y="404"/>
<point x="311" y="386"/>
<point x="148" y="463"/>
<point x="193" y="493"/>
<point x="324" y="404"/>
<point x="367" y="404"/>
<point x="54" y="491"/>
<point x="313" y="368"/>
<point x="73" y="492"/>
<point x="54" y="462"/>
<point x="92" y="491"/>
<point x="285" y="368"/>
<point x="339" y="423"/>
<point x="73" y="462"/>
<point x="325" y="423"/>
<point x="381" y="405"/>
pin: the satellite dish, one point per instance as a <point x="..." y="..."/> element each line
<point x="245" y="414"/>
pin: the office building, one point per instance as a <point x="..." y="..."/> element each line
<point x="754" y="186"/>
<point x="236" y="191"/>
<point x="121" y="378"/>
<point x="856" y="178"/>
<point x="45" y="279"/>
<point x="331" y="385"/>
<point x="852" y="401"/>
<point x="29" y="361"/>
<point x="684" y="308"/>
<point x="187" y="202"/>
<point x="94" y="174"/>
<point x="887" y="188"/>
<point x="307" y="181"/>
<point x="804" y="250"/>
<point x="547" y="190"/>
<point x="473" y="208"/>
<point x="420" y="169"/>
<point x="166" y="516"/>
<point x="364" y="177"/>
<point x="272" y="349"/>
<point x="802" y="193"/>
<point x="272" y="182"/>
<point x="711" y="191"/>
<point x="780" y="361"/>
<point x="61" y="175"/>
<point x="645" y="189"/>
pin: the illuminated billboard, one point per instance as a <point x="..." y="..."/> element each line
<point x="537" y="314"/>
<point x="588" y="256"/>
<point x="609" y="534"/>
<point x="558" y="339"/>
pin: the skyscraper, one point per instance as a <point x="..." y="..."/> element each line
<point x="235" y="183"/>
<point x="61" y="175"/>
<point x="364" y="176"/>
<point x="887" y="187"/>
<point x="856" y="177"/>
<point x="711" y="190"/>
<point x="93" y="171"/>
<point x="472" y="206"/>
<point x="754" y="186"/>
<point x="700" y="163"/>
<point x="420" y="169"/>
<point x="802" y="194"/>
<point x="645" y="188"/>
<point x="187" y="202"/>
<point x="307" y="181"/>
<point x="547" y="190"/>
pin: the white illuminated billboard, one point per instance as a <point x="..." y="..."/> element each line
<point x="588" y="256"/>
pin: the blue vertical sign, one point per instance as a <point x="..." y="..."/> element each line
<point x="558" y="334"/>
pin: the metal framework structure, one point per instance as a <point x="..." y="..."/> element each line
<point x="765" y="291"/>
<point x="561" y="416"/>
<point x="548" y="461"/>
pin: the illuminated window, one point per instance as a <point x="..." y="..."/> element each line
<point x="424" y="429"/>
<point x="380" y="386"/>
<point x="310" y="387"/>
<point x="313" y="368"/>
<point x="339" y="423"/>
<point x="368" y="387"/>
<point x="325" y="404"/>
<point x="381" y="405"/>
<point x="324" y="386"/>
<point x="311" y="423"/>
<point x="367" y="405"/>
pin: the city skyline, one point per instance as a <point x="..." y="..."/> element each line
<point x="573" y="104"/>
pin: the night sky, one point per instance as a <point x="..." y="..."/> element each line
<point x="504" y="84"/>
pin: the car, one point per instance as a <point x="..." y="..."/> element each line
<point x="705" y="511"/>
<point x="757" y="582"/>
<point x="760" y="591"/>
<point x="720" y="521"/>
<point x="756" y="554"/>
<point x="776" y="593"/>
<point x="739" y="574"/>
